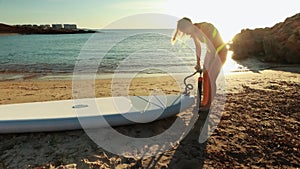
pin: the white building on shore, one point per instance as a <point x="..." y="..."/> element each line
<point x="57" y="26"/>
<point x="46" y="26"/>
<point x="70" y="26"/>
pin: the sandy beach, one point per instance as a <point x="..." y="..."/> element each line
<point x="259" y="127"/>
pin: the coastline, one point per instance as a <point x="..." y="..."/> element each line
<point x="25" y="29"/>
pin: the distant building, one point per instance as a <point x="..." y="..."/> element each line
<point x="70" y="26"/>
<point x="57" y="26"/>
<point x="44" y="26"/>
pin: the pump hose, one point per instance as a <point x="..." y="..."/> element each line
<point x="188" y="86"/>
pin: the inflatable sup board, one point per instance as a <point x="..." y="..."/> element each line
<point x="89" y="113"/>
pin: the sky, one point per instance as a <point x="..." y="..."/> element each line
<point x="229" y="16"/>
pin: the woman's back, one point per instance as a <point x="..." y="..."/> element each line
<point x="211" y="33"/>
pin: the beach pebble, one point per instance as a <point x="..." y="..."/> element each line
<point x="122" y="166"/>
<point x="69" y="166"/>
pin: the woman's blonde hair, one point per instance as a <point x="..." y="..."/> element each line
<point x="183" y="27"/>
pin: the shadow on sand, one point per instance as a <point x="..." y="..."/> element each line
<point x="191" y="154"/>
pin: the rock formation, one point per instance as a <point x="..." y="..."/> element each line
<point x="280" y="43"/>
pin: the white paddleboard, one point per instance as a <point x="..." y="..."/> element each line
<point x="89" y="113"/>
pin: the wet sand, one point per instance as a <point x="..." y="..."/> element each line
<point x="259" y="127"/>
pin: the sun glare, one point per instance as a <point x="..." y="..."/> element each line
<point x="199" y="13"/>
<point x="231" y="65"/>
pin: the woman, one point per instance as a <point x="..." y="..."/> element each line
<point x="215" y="54"/>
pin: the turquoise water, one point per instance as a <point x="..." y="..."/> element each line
<point x="40" y="53"/>
<point x="59" y="53"/>
<point x="147" y="52"/>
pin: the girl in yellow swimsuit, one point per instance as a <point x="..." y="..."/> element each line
<point x="215" y="54"/>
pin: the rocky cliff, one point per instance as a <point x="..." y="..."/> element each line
<point x="280" y="43"/>
<point x="7" y="29"/>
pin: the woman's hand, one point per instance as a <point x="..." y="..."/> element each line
<point x="197" y="67"/>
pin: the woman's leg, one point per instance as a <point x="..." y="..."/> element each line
<point x="212" y="67"/>
<point x="209" y="80"/>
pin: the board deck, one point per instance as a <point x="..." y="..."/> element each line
<point x="94" y="112"/>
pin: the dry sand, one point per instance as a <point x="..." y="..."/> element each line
<point x="259" y="127"/>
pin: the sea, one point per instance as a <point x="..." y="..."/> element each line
<point x="147" y="52"/>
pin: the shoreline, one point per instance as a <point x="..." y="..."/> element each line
<point x="19" y="76"/>
<point x="231" y="67"/>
